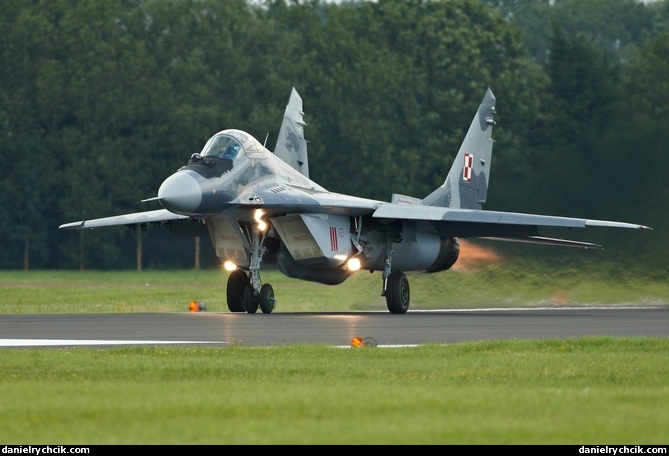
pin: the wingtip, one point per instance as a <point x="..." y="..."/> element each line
<point x="610" y="224"/>
<point x="72" y="226"/>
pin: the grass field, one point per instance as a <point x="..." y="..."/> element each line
<point x="587" y="391"/>
<point x="469" y="285"/>
<point x="581" y="391"/>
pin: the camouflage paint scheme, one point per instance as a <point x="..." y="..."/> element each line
<point x="261" y="209"/>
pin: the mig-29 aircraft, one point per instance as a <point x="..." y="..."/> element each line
<point x="261" y="209"/>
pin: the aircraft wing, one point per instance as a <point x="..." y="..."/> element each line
<point x="504" y="226"/>
<point x="292" y="199"/>
<point x="157" y="216"/>
<point x="446" y="214"/>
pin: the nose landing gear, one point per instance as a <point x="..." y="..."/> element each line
<point x="245" y="292"/>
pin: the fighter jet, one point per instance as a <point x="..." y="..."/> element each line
<point x="261" y="209"/>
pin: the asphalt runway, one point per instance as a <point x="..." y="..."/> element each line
<point x="339" y="329"/>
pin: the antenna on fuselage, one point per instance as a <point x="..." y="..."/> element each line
<point x="265" y="143"/>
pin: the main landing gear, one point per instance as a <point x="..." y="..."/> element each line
<point x="395" y="284"/>
<point x="397" y="293"/>
<point x="246" y="294"/>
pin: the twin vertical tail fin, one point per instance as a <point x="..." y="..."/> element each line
<point x="466" y="186"/>
<point x="291" y="147"/>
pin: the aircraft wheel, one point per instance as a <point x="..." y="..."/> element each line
<point x="237" y="283"/>
<point x="397" y="293"/>
<point x="267" y="300"/>
<point x="250" y="301"/>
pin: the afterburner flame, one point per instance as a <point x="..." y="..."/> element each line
<point x="472" y="255"/>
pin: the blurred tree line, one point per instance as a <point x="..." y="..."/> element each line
<point x="101" y="100"/>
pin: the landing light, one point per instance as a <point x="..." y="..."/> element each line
<point x="229" y="266"/>
<point x="262" y="226"/>
<point x="353" y="264"/>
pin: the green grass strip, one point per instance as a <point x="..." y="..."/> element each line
<point x="576" y="391"/>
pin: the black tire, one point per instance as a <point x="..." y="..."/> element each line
<point x="250" y="301"/>
<point x="397" y="293"/>
<point x="237" y="283"/>
<point x="267" y="300"/>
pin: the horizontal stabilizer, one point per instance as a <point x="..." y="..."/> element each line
<point x="548" y="241"/>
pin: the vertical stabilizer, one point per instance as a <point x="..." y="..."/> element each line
<point x="291" y="147"/>
<point x="466" y="186"/>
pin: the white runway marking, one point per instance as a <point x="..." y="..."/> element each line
<point x="65" y="343"/>
<point x="513" y="309"/>
<point x="61" y="342"/>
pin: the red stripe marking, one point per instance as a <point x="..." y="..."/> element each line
<point x="334" y="245"/>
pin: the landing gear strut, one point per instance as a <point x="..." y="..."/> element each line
<point x="245" y="292"/>
<point x="395" y="284"/>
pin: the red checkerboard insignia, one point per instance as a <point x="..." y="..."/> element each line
<point x="467" y="170"/>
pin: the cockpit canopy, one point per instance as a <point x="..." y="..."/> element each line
<point x="222" y="149"/>
<point x="232" y="144"/>
<point x="222" y="145"/>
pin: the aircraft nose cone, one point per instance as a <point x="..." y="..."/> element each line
<point x="180" y="193"/>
